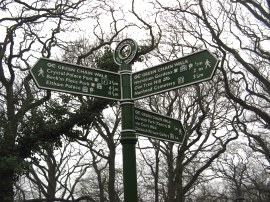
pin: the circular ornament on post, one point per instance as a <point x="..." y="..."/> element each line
<point x="125" y="51"/>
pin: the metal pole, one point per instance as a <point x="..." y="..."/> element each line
<point x="128" y="136"/>
<point x="124" y="54"/>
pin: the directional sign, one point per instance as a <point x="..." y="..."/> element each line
<point x="65" y="77"/>
<point x="191" y="69"/>
<point x="153" y="125"/>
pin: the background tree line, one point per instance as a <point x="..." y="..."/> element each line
<point x="57" y="146"/>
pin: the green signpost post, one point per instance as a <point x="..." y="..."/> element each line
<point x="123" y="55"/>
<point x="125" y="87"/>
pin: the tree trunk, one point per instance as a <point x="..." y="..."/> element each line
<point x="6" y="184"/>
<point x="179" y="181"/>
<point x="7" y="165"/>
<point x="52" y="181"/>
<point x="180" y="192"/>
<point x="171" y="174"/>
<point x="111" y="183"/>
<point x="10" y="163"/>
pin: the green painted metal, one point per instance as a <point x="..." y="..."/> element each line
<point x="65" y="77"/>
<point x="128" y="136"/>
<point x="191" y="69"/>
<point x="157" y="126"/>
<point x="125" y="51"/>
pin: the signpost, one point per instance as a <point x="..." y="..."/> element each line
<point x="123" y="55"/>
<point x="60" y="76"/>
<point x="191" y="69"/>
<point x="126" y="86"/>
<point x="156" y="126"/>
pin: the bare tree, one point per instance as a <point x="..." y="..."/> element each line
<point x="102" y="145"/>
<point x="243" y="173"/>
<point x="230" y="29"/>
<point x="238" y="32"/>
<point x="57" y="174"/>
<point x="32" y="30"/>
<point x="203" y="111"/>
<point x="44" y="29"/>
<point x="22" y="24"/>
<point x="150" y="171"/>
